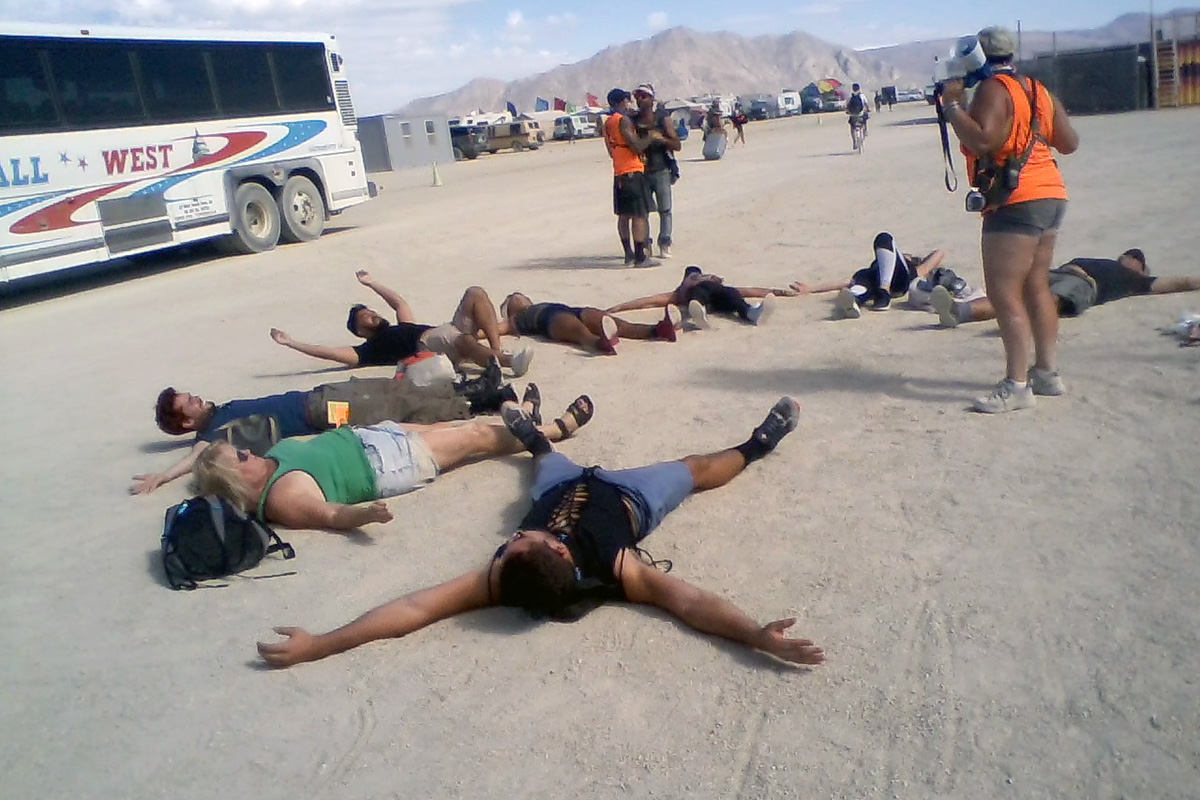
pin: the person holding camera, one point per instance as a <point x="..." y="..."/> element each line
<point x="661" y="168"/>
<point x="1007" y="135"/>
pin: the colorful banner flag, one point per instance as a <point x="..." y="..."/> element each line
<point x="572" y="108"/>
<point x="541" y="104"/>
<point x="512" y="109"/>
<point x="592" y="100"/>
<point x="560" y="104"/>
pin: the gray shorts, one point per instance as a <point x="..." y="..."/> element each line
<point x="399" y="458"/>
<point x="1075" y="293"/>
<point x="1031" y="218"/>
<point x="443" y="340"/>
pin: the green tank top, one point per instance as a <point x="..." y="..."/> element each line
<point x="335" y="459"/>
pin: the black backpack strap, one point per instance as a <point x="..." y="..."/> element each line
<point x="277" y="545"/>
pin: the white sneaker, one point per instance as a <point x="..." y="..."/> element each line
<point x="608" y="327"/>
<point x="943" y="303"/>
<point x="847" y="303"/>
<point x="758" y="314"/>
<point x="1046" y="382"/>
<point x="1007" y="396"/>
<point x="698" y="316"/>
<point x="674" y="315"/>
<point x="664" y="251"/>
<point x="520" y="361"/>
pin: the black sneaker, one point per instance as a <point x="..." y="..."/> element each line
<point x="881" y="300"/>
<point x="782" y="420"/>
<point x="522" y="426"/>
<point x="492" y="376"/>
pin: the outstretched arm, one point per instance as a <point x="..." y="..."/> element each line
<point x="762" y="291"/>
<point x="1170" y="285"/>
<point x="709" y="613"/>
<point x="820" y="288"/>
<point x="929" y="263"/>
<point x="152" y="480"/>
<point x="342" y="355"/>
<point x="389" y="621"/>
<point x="650" y="301"/>
<point x="390" y="296"/>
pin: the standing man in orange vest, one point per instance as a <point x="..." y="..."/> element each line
<point x="631" y="195"/>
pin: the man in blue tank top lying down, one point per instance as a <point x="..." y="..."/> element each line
<point x="579" y="546"/>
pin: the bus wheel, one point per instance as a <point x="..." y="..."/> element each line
<point x="302" y="211"/>
<point x="255" y="219"/>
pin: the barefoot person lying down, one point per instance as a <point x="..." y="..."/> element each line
<point x="701" y="294"/>
<point x="338" y="480"/>
<point x="590" y="328"/>
<point x="576" y="548"/>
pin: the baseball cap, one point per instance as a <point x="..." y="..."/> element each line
<point x="692" y="270"/>
<point x="354" y="309"/>
<point x="617" y="96"/>
<point x="647" y="88"/>
<point x="997" y="42"/>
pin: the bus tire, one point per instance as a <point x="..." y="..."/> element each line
<point x="301" y="210"/>
<point x="255" y="220"/>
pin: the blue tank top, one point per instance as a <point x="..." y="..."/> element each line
<point x="290" y="411"/>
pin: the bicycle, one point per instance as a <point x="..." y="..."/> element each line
<point x="857" y="135"/>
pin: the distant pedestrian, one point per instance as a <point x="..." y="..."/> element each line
<point x="878" y="101"/>
<point x="631" y="198"/>
<point x="661" y="168"/>
<point x="739" y="120"/>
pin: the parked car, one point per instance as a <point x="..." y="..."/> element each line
<point x="761" y="109"/>
<point x="584" y="128"/>
<point x="525" y="134"/>
<point x="810" y="104"/>
<point x="468" y="141"/>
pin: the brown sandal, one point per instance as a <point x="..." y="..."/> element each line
<point x="580" y="412"/>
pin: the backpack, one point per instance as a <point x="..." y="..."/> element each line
<point x="856" y="104"/>
<point x="209" y="537"/>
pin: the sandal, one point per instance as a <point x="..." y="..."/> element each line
<point x="533" y="397"/>
<point x="522" y="427"/>
<point x="580" y="412"/>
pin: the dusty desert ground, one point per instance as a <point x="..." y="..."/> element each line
<point x="1010" y="605"/>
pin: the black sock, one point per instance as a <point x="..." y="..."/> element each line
<point x="639" y="251"/>
<point x="628" y="248"/>
<point x="752" y="450"/>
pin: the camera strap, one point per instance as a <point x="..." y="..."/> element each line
<point x="950" y="178"/>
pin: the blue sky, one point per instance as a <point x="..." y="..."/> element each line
<point x="398" y="50"/>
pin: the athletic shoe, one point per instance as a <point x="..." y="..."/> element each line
<point x="881" y="300"/>
<point x="943" y="304"/>
<point x="1046" y="382"/>
<point x="781" y="420"/>
<point x="664" y="251"/>
<point x="759" y="314"/>
<point x="698" y="316"/>
<point x="522" y="427"/>
<point x="629" y="259"/>
<point x="1007" y="396"/>
<point x="646" y="262"/>
<point x="609" y="340"/>
<point x="492" y="377"/>
<point x="520" y="361"/>
<point x="847" y="303"/>
<point x="674" y="315"/>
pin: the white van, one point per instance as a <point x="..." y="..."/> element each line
<point x="584" y="128"/>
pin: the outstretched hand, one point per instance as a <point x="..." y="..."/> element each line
<point x="145" y="484"/>
<point x="281" y="337"/>
<point x="299" y="647"/>
<point x="364" y="277"/>
<point x="798" y="651"/>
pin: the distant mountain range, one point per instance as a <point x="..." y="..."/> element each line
<point x="681" y="62"/>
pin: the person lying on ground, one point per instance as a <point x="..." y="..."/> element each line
<point x="889" y="276"/>
<point x="387" y="344"/>
<point x="590" y="328"/>
<point x="339" y="479"/>
<point x="701" y="293"/>
<point x="1077" y="286"/>
<point x="577" y="547"/>
<point x="370" y="401"/>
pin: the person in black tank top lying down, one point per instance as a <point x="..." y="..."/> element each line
<point x="578" y="547"/>
<point x="590" y="328"/>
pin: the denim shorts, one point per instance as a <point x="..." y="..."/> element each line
<point x="656" y="490"/>
<point x="399" y="459"/>
<point x="1030" y="218"/>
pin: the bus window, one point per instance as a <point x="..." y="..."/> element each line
<point x="244" y="86"/>
<point x="95" y="84"/>
<point x="25" y="102"/>
<point x="303" y="81"/>
<point x="175" y="83"/>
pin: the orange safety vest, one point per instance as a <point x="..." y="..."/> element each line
<point x="1040" y="178"/>
<point x="624" y="159"/>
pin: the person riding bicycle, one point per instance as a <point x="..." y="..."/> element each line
<point x="858" y="110"/>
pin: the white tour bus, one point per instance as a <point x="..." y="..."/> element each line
<point x="122" y="141"/>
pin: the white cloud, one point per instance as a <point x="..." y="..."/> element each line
<point x="657" y="20"/>
<point x="514" y="19"/>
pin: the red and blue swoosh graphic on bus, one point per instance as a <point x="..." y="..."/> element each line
<point x="59" y="215"/>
